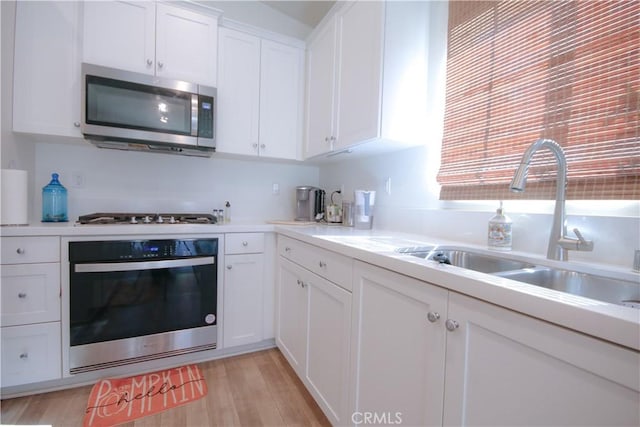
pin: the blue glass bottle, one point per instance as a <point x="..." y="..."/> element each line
<point x="54" y="201"/>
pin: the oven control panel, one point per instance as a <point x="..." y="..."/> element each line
<point x="140" y="250"/>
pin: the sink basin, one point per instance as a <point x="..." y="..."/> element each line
<point x="600" y="288"/>
<point x="465" y="258"/>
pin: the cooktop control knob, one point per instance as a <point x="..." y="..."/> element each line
<point x="172" y="220"/>
<point x="133" y="220"/>
<point x="159" y="220"/>
<point x="147" y="219"/>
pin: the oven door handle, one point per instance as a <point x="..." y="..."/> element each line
<point x="105" y="267"/>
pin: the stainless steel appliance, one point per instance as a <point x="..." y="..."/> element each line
<point x="133" y="111"/>
<point x="147" y="218"/>
<point x="136" y="300"/>
<point x="309" y="203"/>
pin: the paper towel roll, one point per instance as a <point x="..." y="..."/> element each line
<point x="13" y="210"/>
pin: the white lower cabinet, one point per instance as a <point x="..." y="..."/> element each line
<point x="30" y="353"/>
<point x="313" y="332"/>
<point x="30" y="336"/>
<point x="426" y="356"/>
<point x="244" y="289"/>
<point x="243" y="279"/>
<point x="398" y="348"/>
<point x="505" y="368"/>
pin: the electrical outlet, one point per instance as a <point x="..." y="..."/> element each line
<point x="77" y="180"/>
<point x="275" y="189"/>
<point x="387" y="185"/>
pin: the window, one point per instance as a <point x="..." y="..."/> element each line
<point x="518" y="71"/>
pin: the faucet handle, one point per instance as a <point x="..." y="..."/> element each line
<point x="579" y="244"/>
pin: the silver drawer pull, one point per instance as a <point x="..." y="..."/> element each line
<point x="22" y="295"/>
<point x="229" y="267"/>
<point x="451" y="325"/>
<point x="24" y="356"/>
<point x="245" y="243"/>
<point x="20" y="251"/>
<point x="433" y="316"/>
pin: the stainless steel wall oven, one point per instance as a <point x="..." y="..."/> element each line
<point x="137" y="300"/>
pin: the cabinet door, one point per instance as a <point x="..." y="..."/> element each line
<point x="186" y="45"/>
<point x="243" y="286"/>
<point x="328" y="344"/>
<point x="281" y="76"/>
<point x="291" y="312"/>
<point x="30" y="293"/>
<point x="120" y="34"/>
<point x="46" y="74"/>
<point x="397" y="346"/>
<point x="320" y="92"/>
<point x="360" y="41"/>
<point x="504" y="368"/>
<point x="31" y="353"/>
<point x="238" y="93"/>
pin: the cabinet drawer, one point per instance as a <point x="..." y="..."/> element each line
<point x="243" y="243"/>
<point x="31" y="353"/>
<point x="330" y="265"/>
<point x="30" y="294"/>
<point x="17" y="250"/>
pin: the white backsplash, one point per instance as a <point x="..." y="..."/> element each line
<point x="413" y="206"/>
<point x="117" y="181"/>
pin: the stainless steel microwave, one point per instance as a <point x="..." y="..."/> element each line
<point x="133" y="111"/>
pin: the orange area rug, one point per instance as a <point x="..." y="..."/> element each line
<point x="120" y="400"/>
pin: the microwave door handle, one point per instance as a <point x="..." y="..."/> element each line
<point x="142" y="265"/>
<point x="194" y="114"/>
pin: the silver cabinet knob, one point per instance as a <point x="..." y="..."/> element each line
<point x="160" y="65"/>
<point x="433" y="317"/>
<point x="326" y="139"/>
<point x="245" y="243"/>
<point x="322" y="264"/>
<point x="287" y="249"/>
<point x="333" y="138"/>
<point x="149" y="62"/>
<point x="451" y="325"/>
<point x="254" y="145"/>
<point x="20" y="251"/>
<point x="263" y="146"/>
<point x="24" y="356"/>
<point x="76" y="124"/>
<point x="229" y="267"/>
<point x="22" y="295"/>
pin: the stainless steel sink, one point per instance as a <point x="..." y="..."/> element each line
<point x="465" y="258"/>
<point x="600" y="288"/>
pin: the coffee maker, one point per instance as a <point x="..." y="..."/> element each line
<point x="309" y="203"/>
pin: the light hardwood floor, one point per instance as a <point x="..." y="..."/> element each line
<point x="256" y="389"/>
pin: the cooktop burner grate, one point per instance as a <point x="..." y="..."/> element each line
<point x="146" y="218"/>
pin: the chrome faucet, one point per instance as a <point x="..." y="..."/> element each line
<point x="559" y="242"/>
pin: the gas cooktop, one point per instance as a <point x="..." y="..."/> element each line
<point x="146" y="218"/>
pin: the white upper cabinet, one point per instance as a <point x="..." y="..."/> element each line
<point x="320" y="91"/>
<point x="238" y="92"/>
<point x="46" y="74"/>
<point x="259" y="96"/>
<point x="376" y="74"/>
<point x="157" y="39"/>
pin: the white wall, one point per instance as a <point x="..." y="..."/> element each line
<point x="114" y="180"/>
<point x="413" y="206"/>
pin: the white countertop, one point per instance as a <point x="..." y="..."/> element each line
<point x="74" y="229"/>
<point x="611" y="322"/>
